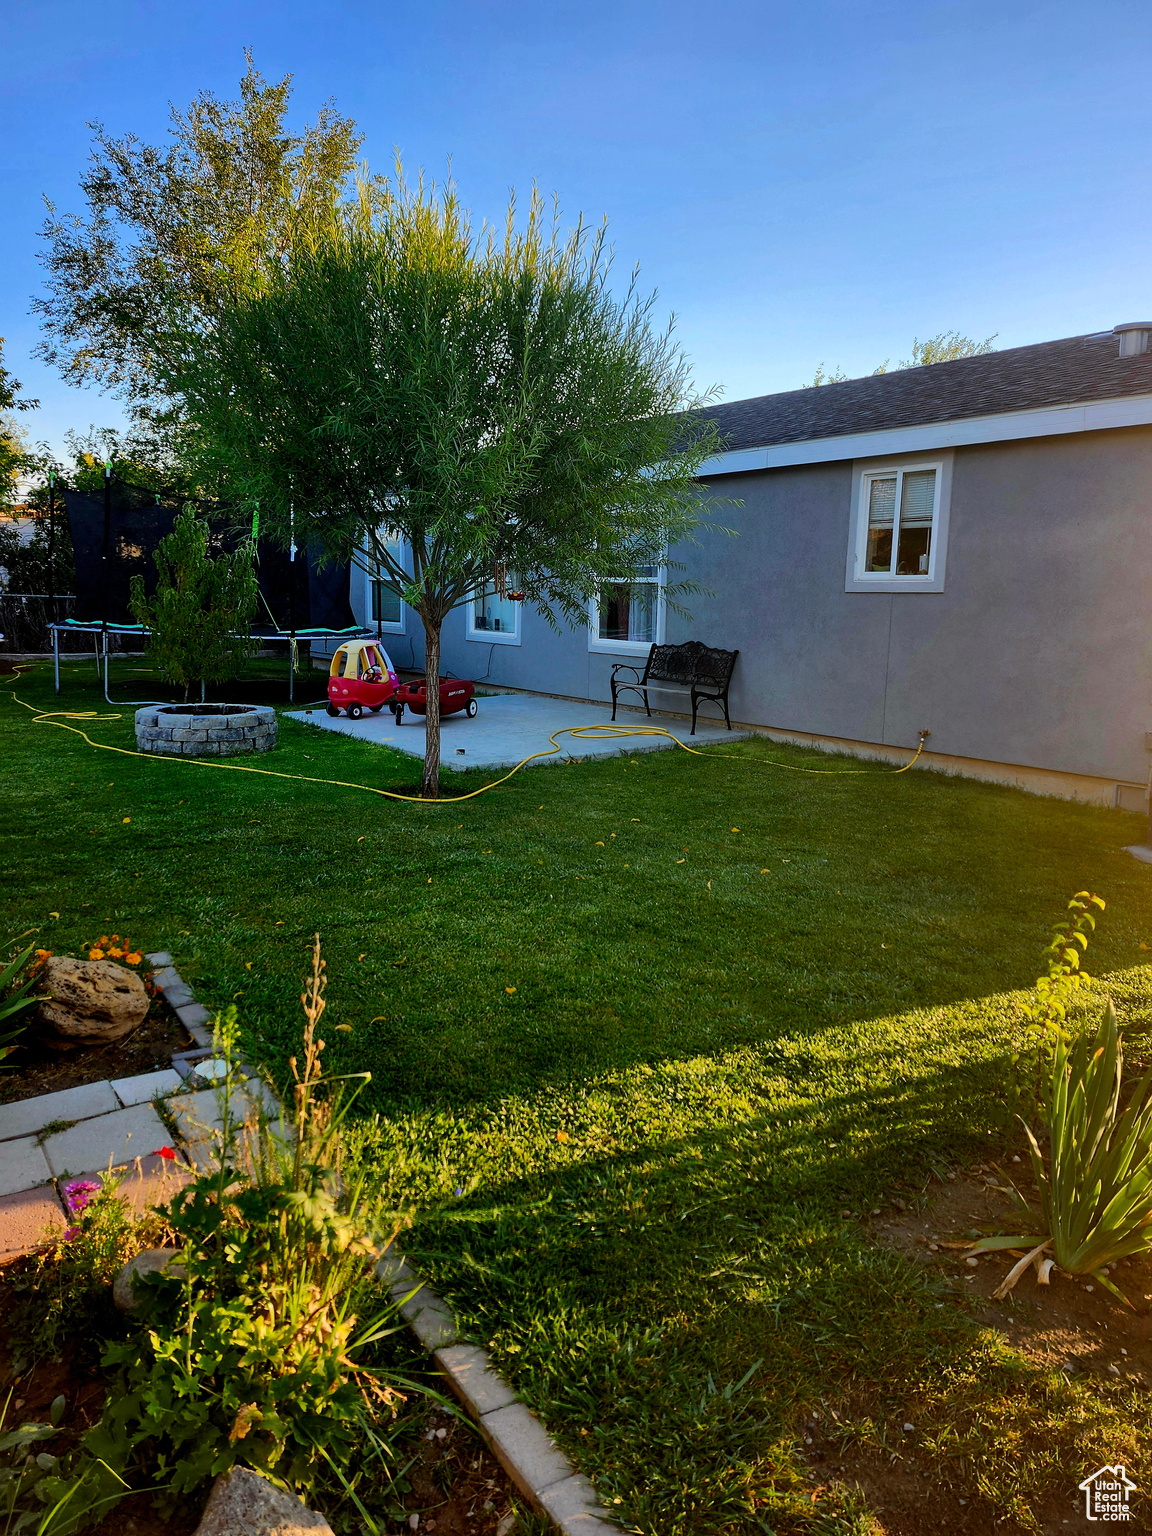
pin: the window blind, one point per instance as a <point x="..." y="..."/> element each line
<point x="917" y="497"/>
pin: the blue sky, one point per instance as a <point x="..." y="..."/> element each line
<point x="802" y="183"/>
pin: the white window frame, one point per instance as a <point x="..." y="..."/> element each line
<point x="628" y="647"/>
<point x="864" y="471"/>
<point x="492" y="636"/>
<point x="384" y="626"/>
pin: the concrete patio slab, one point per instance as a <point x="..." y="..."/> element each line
<point x="27" y="1219"/>
<point x="510" y="726"/>
<point x="22" y="1165"/>
<point x="28" y="1116"/>
<point x="107" y="1140"/>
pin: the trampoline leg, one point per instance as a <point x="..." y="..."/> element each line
<point x="56" y="657"/>
<point x="291" y="671"/>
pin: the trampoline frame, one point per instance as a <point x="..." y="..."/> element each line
<point x="103" y="630"/>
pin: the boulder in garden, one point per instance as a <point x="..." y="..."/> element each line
<point x="89" y="1002"/>
<point x="150" y="1261"/>
<point x="245" y="1504"/>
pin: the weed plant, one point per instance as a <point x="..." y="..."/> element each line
<point x="252" y="1347"/>
<point x="1095" y="1191"/>
<point x="62" y="1299"/>
<point x="22" y="1468"/>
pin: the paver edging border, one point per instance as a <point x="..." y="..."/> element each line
<point x="180" y="998"/>
<point x="532" y="1459"/>
<point x="524" y="1448"/>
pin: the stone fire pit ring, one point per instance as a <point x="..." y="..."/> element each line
<point x="205" y="730"/>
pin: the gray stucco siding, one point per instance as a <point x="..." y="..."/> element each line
<point x="1038" y="652"/>
<point x="809" y="659"/>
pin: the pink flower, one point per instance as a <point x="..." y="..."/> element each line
<point x="70" y="1233"/>
<point x="78" y="1193"/>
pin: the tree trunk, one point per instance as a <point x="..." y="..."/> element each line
<point x="430" y="787"/>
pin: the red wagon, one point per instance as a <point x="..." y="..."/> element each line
<point x="455" y="694"/>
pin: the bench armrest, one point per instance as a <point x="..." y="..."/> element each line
<point x="622" y="666"/>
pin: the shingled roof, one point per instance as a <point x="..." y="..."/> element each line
<point x="1078" y="369"/>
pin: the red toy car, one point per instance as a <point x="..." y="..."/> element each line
<point x="455" y="695"/>
<point x="361" y="677"/>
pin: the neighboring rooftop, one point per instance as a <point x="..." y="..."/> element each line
<point x="1075" y="370"/>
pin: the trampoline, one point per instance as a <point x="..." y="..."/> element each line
<point x="115" y="536"/>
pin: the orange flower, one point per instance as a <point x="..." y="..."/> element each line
<point x="115" y="952"/>
<point x="95" y="954"/>
<point x="134" y="958"/>
<point x="115" y="938"/>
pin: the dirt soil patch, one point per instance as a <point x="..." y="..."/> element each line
<point x="35" y="1068"/>
<point x="458" y="1486"/>
<point x="1072" y="1324"/>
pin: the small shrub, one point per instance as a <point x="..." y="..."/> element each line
<point x="22" y="1469"/>
<point x="199" y="615"/>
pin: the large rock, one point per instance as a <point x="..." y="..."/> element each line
<point x="245" y="1504"/>
<point x="89" y="1002"/>
<point x="149" y="1261"/>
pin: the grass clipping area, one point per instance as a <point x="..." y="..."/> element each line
<point x="641" y="1031"/>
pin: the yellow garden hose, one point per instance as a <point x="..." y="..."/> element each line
<point x="59" y="717"/>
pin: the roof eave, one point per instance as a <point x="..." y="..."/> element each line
<point x="1006" y="426"/>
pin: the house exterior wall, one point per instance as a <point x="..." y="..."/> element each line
<point x="1038" y="652"/>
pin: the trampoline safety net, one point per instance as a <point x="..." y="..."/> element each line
<point x="115" y="541"/>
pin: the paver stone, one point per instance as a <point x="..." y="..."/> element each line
<point x="22" y="1165"/>
<point x="107" y="1140"/>
<point x="144" y="1087"/>
<point x="28" y="1116"/>
<point x="524" y="1449"/>
<point x="26" y="1218"/>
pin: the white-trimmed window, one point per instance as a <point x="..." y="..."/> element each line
<point x="495" y="618"/>
<point x="385" y="606"/>
<point x="628" y="616"/>
<point x="899" y="526"/>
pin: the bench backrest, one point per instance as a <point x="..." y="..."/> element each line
<point x="690" y="663"/>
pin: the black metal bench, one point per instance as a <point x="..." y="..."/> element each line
<point x="702" y="669"/>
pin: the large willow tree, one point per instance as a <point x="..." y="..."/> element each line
<point x="487" y="400"/>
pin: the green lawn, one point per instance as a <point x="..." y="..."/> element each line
<point x="662" y="1019"/>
